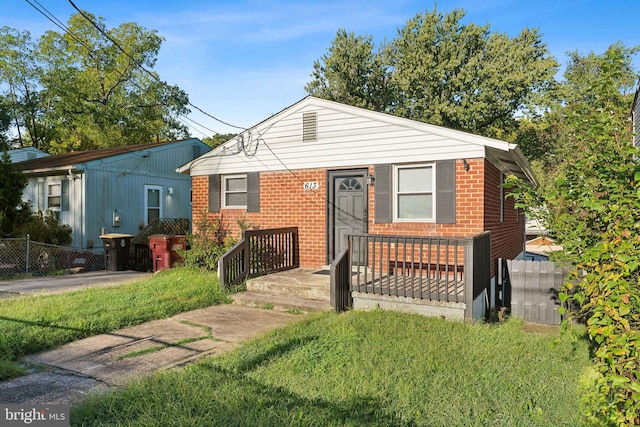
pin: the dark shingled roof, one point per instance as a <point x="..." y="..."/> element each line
<point x="77" y="157"/>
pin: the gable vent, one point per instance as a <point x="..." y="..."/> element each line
<point x="309" y="127"/>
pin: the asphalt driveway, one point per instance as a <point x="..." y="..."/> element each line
<point x="68" y="282"/>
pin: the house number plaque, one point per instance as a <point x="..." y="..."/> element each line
<point x="311" y="185"/>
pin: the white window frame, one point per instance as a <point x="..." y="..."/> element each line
<point x="49" y="194"/>
<point x="225" y="191"/>
<point x="41" y="198"/>
<point x="146" y="201"/>
<point x="396" y="192"/>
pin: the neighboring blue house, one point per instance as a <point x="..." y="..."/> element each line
<point x="26" y="153"/>
<point x="118" y="190"/>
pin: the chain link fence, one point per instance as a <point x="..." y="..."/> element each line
<point x="22" y="256"/>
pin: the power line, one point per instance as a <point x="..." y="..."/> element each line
<point x="51" y="17"/>
<point x="201" y="125"/>
<point x="140" y="66"/>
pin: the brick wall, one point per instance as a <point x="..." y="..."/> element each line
<point x="284" y="203"/>
<point x="507" y="236"/>
<point x="469" y="208"/>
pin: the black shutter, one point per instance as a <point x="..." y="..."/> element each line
<point x="253" y="192"/>
<point x="446" y="192"/>
<point x="383" y="194"/>
<point x="214" y="193"/>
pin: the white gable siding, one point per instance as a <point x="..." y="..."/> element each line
<point x="346" y="137"/>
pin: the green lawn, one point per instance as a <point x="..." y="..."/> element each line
<point x="30" y="324"/>
<point x="365" y="369"/>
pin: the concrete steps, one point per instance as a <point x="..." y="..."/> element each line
<point x="303" y="290"/>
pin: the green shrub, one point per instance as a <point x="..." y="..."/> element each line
<point x="210" y="242"/>
<point x="45" y="227"/>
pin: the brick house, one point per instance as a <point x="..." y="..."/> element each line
<point x="333" y="170"/>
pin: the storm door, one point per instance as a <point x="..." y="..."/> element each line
<point x="152" y="203"/>
<point x="347" y="209"/>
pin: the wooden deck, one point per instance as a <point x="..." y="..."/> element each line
<point x="448" y="289"/>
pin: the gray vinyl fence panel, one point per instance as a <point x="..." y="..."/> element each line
<point x="534" y="287"/>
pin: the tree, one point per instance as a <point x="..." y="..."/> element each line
<point x="440" y="71"/>
<point x="13" y="211"/>
<point x="98" y="96"/>
<point x="352" y="73"/>
<point x="78" y="90"/>
<point x="19" y="73"/>
<point x="592" y="207"/>
<point x="217" y="139"/>
<point x="5" y="123"/>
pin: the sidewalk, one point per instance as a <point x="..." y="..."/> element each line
<point x="113" y="359"/>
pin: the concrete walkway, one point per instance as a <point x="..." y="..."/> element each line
<point x="113" y="359"/>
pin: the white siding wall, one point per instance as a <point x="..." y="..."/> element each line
<point x="346" y="136"/>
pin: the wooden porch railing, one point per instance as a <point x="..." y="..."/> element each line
<point x="259" y="252"/>
<point x="340" y="272"/>
<point x="446" y="269"/>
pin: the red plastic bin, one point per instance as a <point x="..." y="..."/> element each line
<point x="164" y="249"/>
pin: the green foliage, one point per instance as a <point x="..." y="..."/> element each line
<point x="366" y="369"/>
<point x="207" y="244"/>
<point x="217" y="139"/>
<point x="353" y="73"/>
<point x="45" y="227"/>
<point x="19" y="71"/>
<point x="29" y="324"/>
<point x="13" y="211"/>
<point x="591" y="204"/>
<point x="82" y="92"/>
<point x="440" y="71"/>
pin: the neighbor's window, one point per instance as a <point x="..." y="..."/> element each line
<point x="414" y="192"/>
<point x="40" y="196"/>
<point x="53" y="196"/>
<point x="234" y="190"/>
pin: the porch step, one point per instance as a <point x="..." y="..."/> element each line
<point x="280" y="302"/>
<point x="300" y="282"/>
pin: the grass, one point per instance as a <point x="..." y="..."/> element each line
<point x="365" y="369"/>
<point x="156" y="348"/>
<point x="29" y="324"/>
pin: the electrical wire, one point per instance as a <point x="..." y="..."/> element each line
<point x="52" y="18"/>
<point x="140" y="66"/>
<point x="242" y="147"/>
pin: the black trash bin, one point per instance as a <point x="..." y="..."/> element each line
<point x="116" y="251"/>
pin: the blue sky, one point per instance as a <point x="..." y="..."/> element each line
<point x="245" y="60"/>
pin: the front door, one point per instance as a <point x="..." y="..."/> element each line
<point x="152" y="203"/>
<point x="347" y="209"/>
